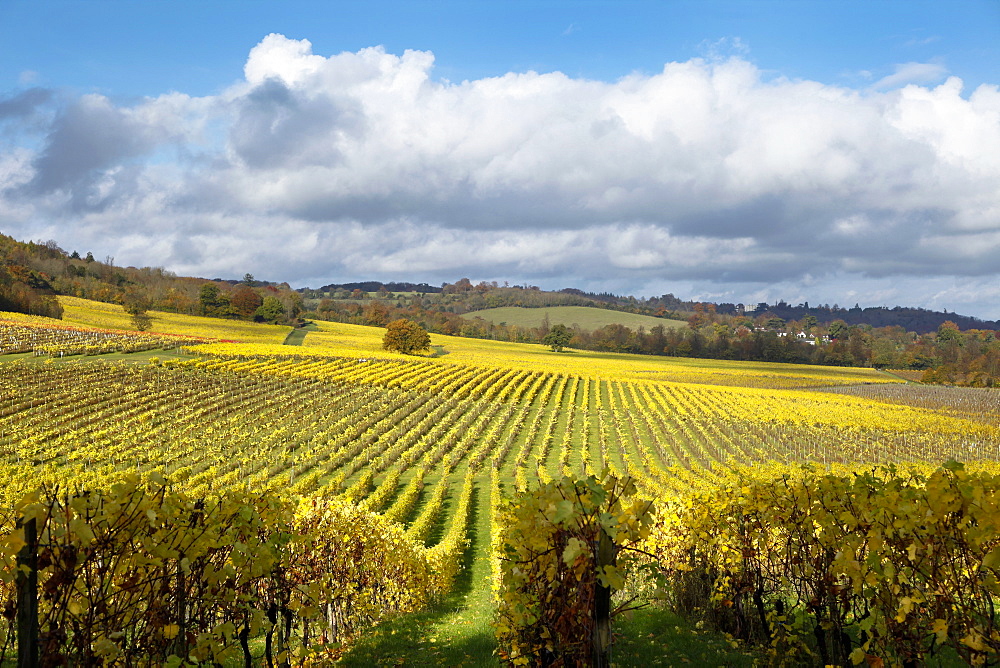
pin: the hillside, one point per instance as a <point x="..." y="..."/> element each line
<point x="581" y="317"/>
<point x="332" y="339"/>
<point x="955" y="350"/>
<point x="91" y="313"/>
<point x="32" y="274"/>
<point x="406" y="464"/>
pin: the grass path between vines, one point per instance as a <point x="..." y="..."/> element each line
<point x="457" y="631"/>
<point x="297" y="336"/>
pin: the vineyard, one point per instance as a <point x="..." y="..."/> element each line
<point x="56" y="340"/>
<point x="416" y="449"/>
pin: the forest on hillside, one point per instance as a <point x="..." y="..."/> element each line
<point x="32" y="274"/>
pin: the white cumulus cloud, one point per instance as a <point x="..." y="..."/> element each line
<point x="707" y="174"/>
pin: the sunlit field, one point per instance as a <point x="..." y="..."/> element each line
<point x="430" y="444"/>
<point x="534" y="413"/>
<point x="89" y="313"/>
<point x="338" y="339"/>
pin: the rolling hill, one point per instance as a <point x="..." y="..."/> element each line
<point x="587" y="318"/>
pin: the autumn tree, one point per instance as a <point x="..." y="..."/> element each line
<point x="293" y="303"/>
<point x="948" y="331"/>
<point x="699" y="318"/>
<point x="557" y="338"/>
<point x="136" y="305"/>
<point x="375" y="314"/>
<point x="405" y="336"/>
<point x="246" y="301"/>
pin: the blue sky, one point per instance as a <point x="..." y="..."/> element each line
<point x="821" y="151"/>
<point x="199" y="47"/>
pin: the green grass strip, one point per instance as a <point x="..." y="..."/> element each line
<point x="298" y="335"/>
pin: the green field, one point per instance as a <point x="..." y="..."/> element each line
<point x="586" y="318"/>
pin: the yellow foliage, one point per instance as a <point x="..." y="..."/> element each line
<point x="89" y="313"/>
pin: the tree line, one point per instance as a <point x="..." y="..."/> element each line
<point x="464" y="296"/>
<point x="947" y="355"/>
<point x="956" y="349"/>
<point x="32" y="274"/>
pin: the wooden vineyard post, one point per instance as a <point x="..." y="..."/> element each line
<point x="602" y="603"/>
<point x="27" y="597"/>
<point x="180" y="643"/>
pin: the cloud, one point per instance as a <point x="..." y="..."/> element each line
<point x="706" y="174"/>
<point x="23" y="104"/>
<point x="724" y="48"/>
<point x="922" y="41"/>
<point x="277" y="57"/>
<point x="89" y="135"/>
<point x="912" y="73"/>
<point x="94" y="147"/>
<point x="276" y="126"/>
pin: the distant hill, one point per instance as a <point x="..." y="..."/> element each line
<point x="919" y="320"/>
<point x="587" y="318"/>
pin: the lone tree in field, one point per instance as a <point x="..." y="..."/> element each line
<point x="405" y="336"/>
<point x="557" y="338"/>
<point x="136" y="306"/>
